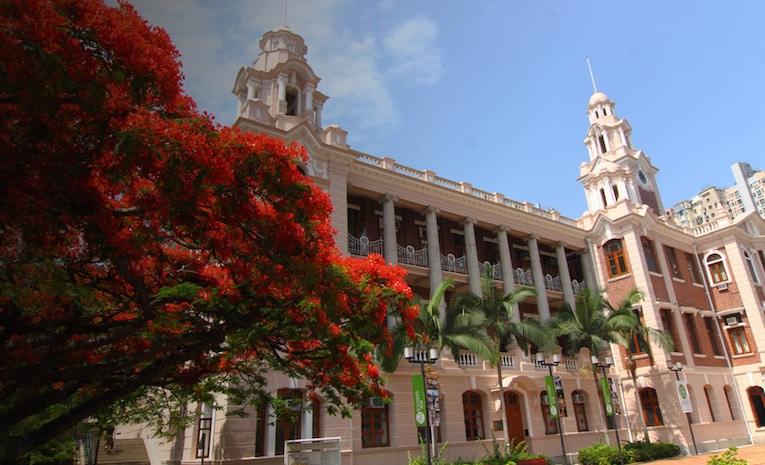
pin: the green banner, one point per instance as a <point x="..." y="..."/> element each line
<point x="418" y="390"/>
<point x="608" y="401"/>
<point x="552" y="396"/>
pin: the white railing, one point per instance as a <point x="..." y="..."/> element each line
<point x="577" y="286"/>
<point x="521" y="276"/>
<point x="453" y="264"/>
<point x="467" y="359"/>
<point x="705" y="228"/>
<point x="537" y="364"/>
<point x="552" y="282"/>
<point x="420" y="356"/>
<point x="362" y="246"/>
<point x="429" y="176"/>
<point x="570" y="364"/>
<point x="507" y="361"/>
<point x="409" y="256"/>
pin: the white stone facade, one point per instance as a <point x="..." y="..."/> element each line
<point x="436" y="228"/>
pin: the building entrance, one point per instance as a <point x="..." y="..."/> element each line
<point x="514" y="416"/>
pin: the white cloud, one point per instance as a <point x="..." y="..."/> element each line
<point x="412" y="47"/>
<point x="357" y="69"/>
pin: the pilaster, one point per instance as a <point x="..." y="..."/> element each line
<point x="390" y="246"/>
<point x="471" y="255"/>
<point x="506" y="263"/>
<point x="539" y="279"/>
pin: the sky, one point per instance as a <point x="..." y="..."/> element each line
<point x="495" y="92"/>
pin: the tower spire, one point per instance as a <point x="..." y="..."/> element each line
<point x="589" y="67"/>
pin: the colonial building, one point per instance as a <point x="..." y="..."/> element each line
<point x="702" y="285"/>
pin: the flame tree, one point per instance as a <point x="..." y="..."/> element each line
<point x="149" y="256"/>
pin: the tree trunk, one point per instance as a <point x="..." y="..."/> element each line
<point x="602" y="407"/>
<point x="505" y="431"/>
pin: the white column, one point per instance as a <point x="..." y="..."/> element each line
<point x="508" y="278"/>
<point x="589" y="274"/>
<point x="390" y="248"/>
<point x="539" y="279"/>
<point x="338" y="194"/>
<point x="251" y="90"/>
<point x="434" y="251"/>
<point x="282" y="88"/>
<point x="309" y="97"/>
<point x="471" y="255"/>
<point x="317" y="118"/>
<point x="270" y="448"/>
<point x="609" y="192"/>
<point x="565" y="276"/>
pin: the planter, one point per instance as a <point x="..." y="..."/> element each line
<point x="536" y="461"/>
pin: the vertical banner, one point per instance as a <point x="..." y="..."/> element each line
<point x="552" y="396"/>
<point x="684" y="396"/>
<point x="418" y="390"/>
<point x="434" y="401"/>
<point x="561" y="396"/>
<point x="608" y="402"/>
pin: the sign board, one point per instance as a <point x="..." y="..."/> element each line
<point x="418" y="391"/>
<point x="552" y="396"/>
<point x="614" y="397"/>
<point x="317" y="451"/>
<point x="561" y="396"/>
<point x="608" y="402"/>
<point x="684" y="396"/>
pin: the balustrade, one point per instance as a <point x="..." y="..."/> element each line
<point x="522" y="276"/>
<point x="453" y="264"/>
<point x="495" y="268"/>
<point x="552" y="282"/>
<point x="362" y="246"/>
<point x="570" y="365"/>
<point x="578" y="285"/>
<point x="410" y="256"/>
<point x="507" y="361"/>
<point x="467" y="359"/>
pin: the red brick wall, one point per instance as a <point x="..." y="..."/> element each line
<point x="659" y="288"/>
<point x="649" y="198"/>
<point x="706" y="345"/>
<point x="754" y="357"/>
<point x="621" y="285"/>
<point x="730" y="298"/>
<point x="687" y="294"/>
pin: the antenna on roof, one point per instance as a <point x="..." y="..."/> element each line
<point x="285" y="13"/>
<point x="589" y="67"/>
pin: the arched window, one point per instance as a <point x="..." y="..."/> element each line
<point x="757" y="402"/>
<point x="473" y="411"/>
<point x="551" y="424"/>
<point x="602" y="143"/>
<point x="650" y="404"/>
<point x="374" y="423"/>
<point x="260" y="431"/>
<point x="617" y="261"/>
<point x="580" y="410"/>
<point x="751" y="266"/>
<point x="694" y="415"/>
<point x="709" y="395"/>
<point x="603" y="198"/>
<point x="728" y="393"/>
<point x="289" y="424"/>
<point x="615" y="188"/>
<point x="716" y="268"/>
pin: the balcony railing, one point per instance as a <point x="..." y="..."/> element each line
<point x="468" y="359"/>
<point x="507" y="361"/>
<point x="570" y="365"/>
<point x="578" y="285"/>
<point x="410" y="256"/>
<point x="552" y="282"/>
<point x="522" y="276"/>
<point x="362" y="246"/>
<point x="453" y="264"/>
<point x="496" y="270"/>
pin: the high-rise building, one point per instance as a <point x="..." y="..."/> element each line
<point x="702" y="284"/>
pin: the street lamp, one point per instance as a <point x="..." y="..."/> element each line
<point x="555" y="361"/>
<point x="422" y="357"/>
<point x="677" y="368"/>
<point x="605" y="365"/>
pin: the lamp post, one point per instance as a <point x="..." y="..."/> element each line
<point x="677" y="368"/>
<point x="422" y="357"/>
<point x="555" y="361"/>
<point x="605" y="365"/>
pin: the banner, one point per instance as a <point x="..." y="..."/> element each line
<point x="561" y="396"/>
<point x="608" y="402"/>
<point x="552" y="396"/>
<point x="434" y="401"/>
<point x="418" y="390"/>
<point x="685" y="398"/>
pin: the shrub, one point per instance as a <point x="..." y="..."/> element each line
<point x="601" y="454"/>
<point x="641" y="451"/>
<point x="729" y="457"/>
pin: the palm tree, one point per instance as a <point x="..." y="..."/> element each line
<point x="591" y="325"/>
<point x="635" y="338"/>
<point x="460" y="330"/>
<point x="497" y="310"/>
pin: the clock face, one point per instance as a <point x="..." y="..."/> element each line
<point x="642" y="178"/>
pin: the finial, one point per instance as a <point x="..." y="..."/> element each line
<point x="589" y="67"/>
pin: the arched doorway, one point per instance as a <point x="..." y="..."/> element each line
<point x="514" y="415"/>
<point x="757" y="401"/>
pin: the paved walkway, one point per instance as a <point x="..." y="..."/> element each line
<point x="754" y="454"/>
